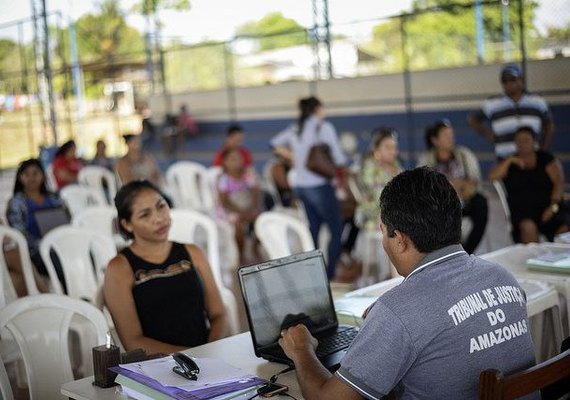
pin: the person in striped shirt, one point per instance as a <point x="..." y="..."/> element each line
<point x="508" y="112"/>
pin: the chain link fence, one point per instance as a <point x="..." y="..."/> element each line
<point x="457" y="35"/>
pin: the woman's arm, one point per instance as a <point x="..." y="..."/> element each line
<point x="155" y="177"/>
<point x="215" y="309"/>
<point x="16" y="216"/>
<point x="328" y="135"/>
<point x="501" y="170"/>
<point x="117" y="290"/>
<point x="123" y="170"/>
<point x="284" y="151"/>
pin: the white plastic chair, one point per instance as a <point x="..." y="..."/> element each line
<point x="184" y="229"/>
<point x="51" y="183"/>
<point x="18" y="238"/>
<point x="79" y="197"/>
<point x="502" y="194"/>
<point x="213" y="174"/>
<point x="268" y="183"/>
<point x="95" y="177"/>
<point x="102" y="219"/>
<point x="189" y="183"/>
<point x="273" y="230"/>
<point x="40" y="325"/>
<point x="5" y="388"/>
<point x="75" y="247"/>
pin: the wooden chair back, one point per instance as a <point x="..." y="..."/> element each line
<point x="552" y="378"/>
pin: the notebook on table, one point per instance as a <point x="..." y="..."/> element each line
<point x="49" y="218"/>
<point x="287" y="291"/>
<point x="550" y="262"/>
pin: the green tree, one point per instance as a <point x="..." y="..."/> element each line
<point x="274" y="31"/>
<point x="559" y="33"/>
<point x="105" y="34"/>
<point x="10" y="77"/>
<point x="199" y="67"/>
<point x="442" y="33"/>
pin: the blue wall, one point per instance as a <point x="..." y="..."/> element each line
<point x="259" y="132"/>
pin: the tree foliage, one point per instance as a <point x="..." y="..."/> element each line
<point x="274" y="31"/>
<point x="442" y="33"/>
<point x="151" y="7"/>
<point x="106" y="33"/>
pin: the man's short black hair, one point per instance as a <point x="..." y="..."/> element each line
<point x="422" y="204"/>
<point x="234" y="128"/>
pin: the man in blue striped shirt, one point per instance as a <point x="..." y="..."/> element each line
<point x="508" y="112"/>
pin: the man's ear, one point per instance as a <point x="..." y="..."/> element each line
<point x="402" y="241"/>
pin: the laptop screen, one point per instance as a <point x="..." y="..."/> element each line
<point x="49" y="218"/>
<point x="285" y="292"/>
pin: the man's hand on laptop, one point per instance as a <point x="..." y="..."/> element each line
<point x="297" y="340"/>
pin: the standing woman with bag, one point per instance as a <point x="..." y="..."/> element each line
<point x="304" y="141"/>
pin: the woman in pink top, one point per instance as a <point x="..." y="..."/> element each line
<point x="240" y="196"/>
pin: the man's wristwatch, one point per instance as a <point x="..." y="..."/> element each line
<point x="554" y="207"/>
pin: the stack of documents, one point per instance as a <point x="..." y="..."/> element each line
<point x="550" y="262"/>
<point x="349" y="309"/>
<point x="154" y="379"/>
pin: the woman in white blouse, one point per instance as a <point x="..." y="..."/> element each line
<point x="315" y="191"/>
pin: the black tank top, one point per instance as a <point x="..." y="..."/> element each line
<point x="169" y="298"/>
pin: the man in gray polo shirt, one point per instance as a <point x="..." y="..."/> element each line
<point x="453" y="316"/>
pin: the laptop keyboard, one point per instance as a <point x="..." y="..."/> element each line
<point x="339" y="341"/>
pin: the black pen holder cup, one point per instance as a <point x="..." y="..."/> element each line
<point x="104" y="358"/>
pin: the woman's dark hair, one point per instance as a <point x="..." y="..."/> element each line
<point x="527" y="129"/>
<point x="432" y="131"/>
<point x="307" y="107"/>
<point x="24" y="165"/>
<point x="125" y="198"/>
<point x="379" y="134"/>
<point x="128" y="137"/>
<point x="422" y="204"/>
<point x="234" y="128"/>
<point x="64" y="148"/>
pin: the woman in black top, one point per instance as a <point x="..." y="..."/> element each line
<point x="161" y="295"/>
<point x="534" y="181"/>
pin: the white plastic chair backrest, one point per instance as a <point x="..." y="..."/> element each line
<point x="5" y="388"/>
<point x="94" y="176"/>
<point x="75" y="248"/>
<point x="184" y="228"/>
<point x="189" y="183"/>
<point x="213" y="174"/>
<point x="502" y="193"/>
<point x="268" y="183"/>
<point x="40" y="325"/>
<point x="272" y="229"/>
<point x="99" y="218"/>
<point x="8" y="294"/>
<point x="79" y="197"/>
<point x="18" y="238"/>
<point x="51" y="183"/>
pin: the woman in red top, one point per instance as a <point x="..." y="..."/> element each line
<point x="66" y="164"/>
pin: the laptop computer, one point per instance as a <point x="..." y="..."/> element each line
<point x="49" y="218"/>
<point x="287" y="291"/>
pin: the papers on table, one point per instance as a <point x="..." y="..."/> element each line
<point x="550" y="262"/>
<point x="216" y="378"/>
